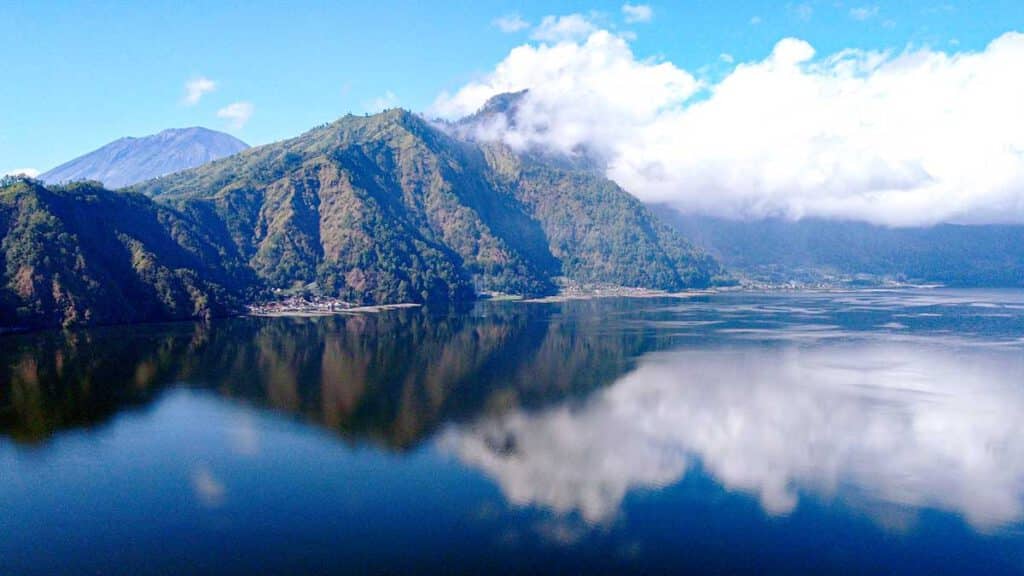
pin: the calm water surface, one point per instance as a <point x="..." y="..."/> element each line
<point x="847" y="432"/>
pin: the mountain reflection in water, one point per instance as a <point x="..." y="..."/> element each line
<point x="388" y="378"/>
<point x="594" y="422"/>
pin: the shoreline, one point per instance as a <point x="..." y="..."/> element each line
<point x="619" y="292"/>
<point x="19" y="330"/>
<point x="316" y="313"/>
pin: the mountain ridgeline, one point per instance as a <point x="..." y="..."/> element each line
<point x="390" y="208"/>
<point x="370" y="209"/>
<point x="127" y="161"/>
<point x="80" y="254"/>
<point x="814" y="251"/>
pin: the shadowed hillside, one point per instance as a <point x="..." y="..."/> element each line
<point x="816" y="250"/>
<point x="84" y="255"/>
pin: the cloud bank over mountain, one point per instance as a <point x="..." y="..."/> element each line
<point x="905" y="138"/>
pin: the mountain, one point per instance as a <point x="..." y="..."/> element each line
<point x="84" y="255"/>
<point x="501" y="113"/>
<point x="127" y="161"/>
<point x="377" y="209"/>
<point x="391" y="208"/>
<point x="811" y="251"/>
<point x="501" y="108"/>
<point x="826" y="251"/>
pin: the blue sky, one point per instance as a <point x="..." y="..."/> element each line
<point x="80" y="74"/>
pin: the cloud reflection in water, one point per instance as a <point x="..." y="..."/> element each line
<point x="877" y="424"/>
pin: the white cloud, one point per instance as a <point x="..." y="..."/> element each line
<point x="510" y="23"/>
<point x="637" y="12"/>
<point x="727" y="58"/>
<point x="863" y="12"/>
<point x="386" y="101"/>
<point x="592" y="93"/>
<point x="570" y="27"/>
<point x="30" y="172"/>
<point x="909" y="138"/>
<point x="906" y="426"/>
<point x="237" y="114"/>
<point x="196" y="88"/>
<point x="755" y="20"/>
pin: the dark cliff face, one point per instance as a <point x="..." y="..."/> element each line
<point x="127" y="161"/>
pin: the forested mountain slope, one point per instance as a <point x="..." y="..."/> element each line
<point x="391" y="208"/>
<point x="85" y="255"/>
<point x="377" y="209"/>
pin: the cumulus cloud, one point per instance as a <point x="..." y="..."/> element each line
<point x="904" y="138"/>
<point x="511" y="23"/>
<point x="570" y="27"/>
<point x="237" y="114"/>
<point x="30" y="172"/>
<point x="589" y="93"/>
<point x="637" y="13"/>
<point x="904" y="425"/>
<point x="196" y="88"/>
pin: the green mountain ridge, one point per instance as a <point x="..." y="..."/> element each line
<point x="376" y="209"/>
<point x="318" y="204"/>
<point x="81" y="254"/>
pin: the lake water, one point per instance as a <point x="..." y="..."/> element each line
<point x="843" y="432"/>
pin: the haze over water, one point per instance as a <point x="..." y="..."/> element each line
<point x="816" y="432"/>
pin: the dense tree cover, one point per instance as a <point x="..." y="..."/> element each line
<point x="81" y="254"/>
<point x="598" y="232"/>
<point x="390" y="208"/>
<point x="378" y="209"/>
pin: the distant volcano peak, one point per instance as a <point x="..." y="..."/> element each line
<point x="131" y="160"/>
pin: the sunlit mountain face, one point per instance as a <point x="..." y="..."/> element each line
<point x="838" y="430"/>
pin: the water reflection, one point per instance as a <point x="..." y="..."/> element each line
<point x="872" y="422"/>
<point x="389" y="379"/>
<point x="882" y="402"/>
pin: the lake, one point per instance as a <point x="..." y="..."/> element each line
<point x="747" y="433"/>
